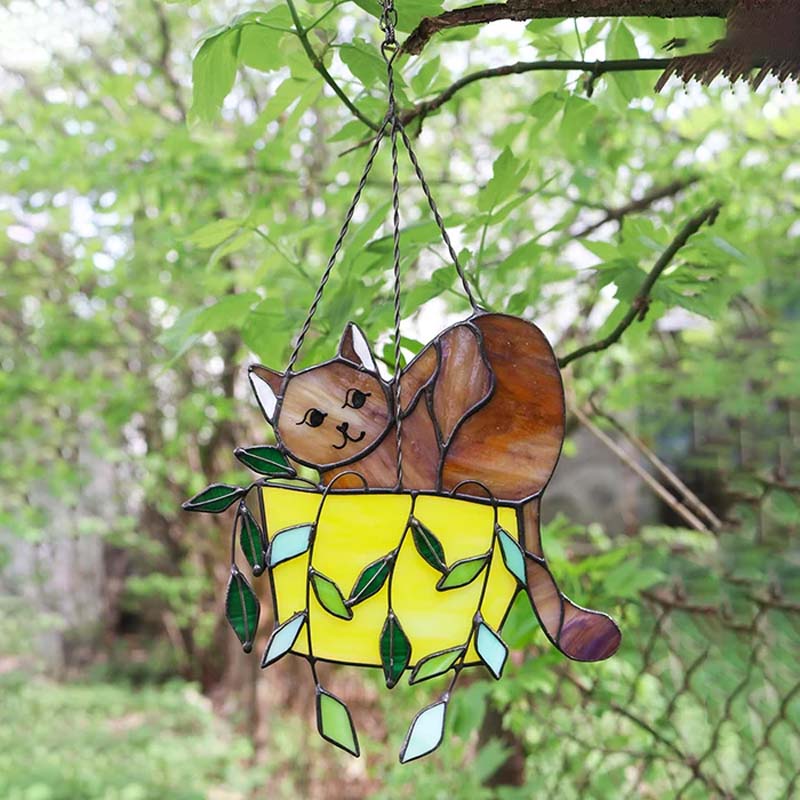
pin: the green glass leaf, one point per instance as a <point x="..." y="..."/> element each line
<point x="462" y="573"/>
<point x="371" y="579"/>
<point x="329" y="596"/>
<point x="428" y="546"/>
<point x="435" y="664"/>
<point x="283" y="638"/>
<point x="251" y="540"/>
<point x="513" y="557"/>
<point x="214" y="499"/>
<point x="265" y="460"/>
<point x="395" y="650"/>
<point x="242" y="609"/>
<point x="334" y="722"/>
<point x="425" y="733"/>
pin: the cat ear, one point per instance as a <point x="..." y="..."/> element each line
<point x="266" y="384"/>
<point x="355" y="347"/>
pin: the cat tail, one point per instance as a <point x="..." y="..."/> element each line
<point x="579" y="633"/>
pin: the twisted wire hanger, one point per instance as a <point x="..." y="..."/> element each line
<point x="394" y="125"/>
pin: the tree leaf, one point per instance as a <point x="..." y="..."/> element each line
<point x="242" y="609"/>
<point x="258" y="48"/>
<point x="289" y="543"/>
<point x="329" y="596"/>
<point x="428" y="546"/>
<point x="213" y="74"/>
<point x="435" y="664"/>
<point x="395" y="650"/>
<point x="462" y="572"/>
<point x="265" y="460"/>
<point x="371" y="579"/>
<point x="214" y="499"/>
<point x="251" y="540"/>
<point x="283" y="638"/>
<point x="334" y="722"/>
<point x="513" y="557"/>
<point x="491" y="649"/>
<point x="211" y="234"/>
<point x="425" y="734"/>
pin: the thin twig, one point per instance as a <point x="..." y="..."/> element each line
<point x="641" y="302"/>
<point x="634" y="206"/>
<point x="689" y="497"/>
<point x="521" y="10"/>
<point x="316" y="62"/>
<point x="678" y="507"/>
<point x="594" y="68"/>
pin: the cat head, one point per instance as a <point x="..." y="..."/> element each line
<point x="330" y="414"/>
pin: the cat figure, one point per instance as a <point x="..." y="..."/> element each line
<point x="483" y="402"/>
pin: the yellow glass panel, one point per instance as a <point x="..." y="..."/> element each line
<point x="356" y="529"/>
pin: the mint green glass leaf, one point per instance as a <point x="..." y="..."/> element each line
<point x="335" y="724"/>
<point x="371" y="579"/>
<point x="288" y="543"/>
<point x="395" y="650"/>
<point x="251" y="540"/>
<point x="491" y="649"/>
<point x="329" y="596"/>
<point x="214" y="499"/>
<point x="462" y="573"/>
<point x="283" y="638"/>
<point x="425" y="733"/>
<point x="435" y="664"/>
<point x="242" y="609"/>
<point x="428" y="546"/>
<point x="265" y="460"/>
<point x="513" y="557"/>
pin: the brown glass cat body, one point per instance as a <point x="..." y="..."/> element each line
<point x="482" y="402"/>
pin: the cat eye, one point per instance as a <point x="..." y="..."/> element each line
<point x="313" y="418"/>
<point x="355" y="398"/>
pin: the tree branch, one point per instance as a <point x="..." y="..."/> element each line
<point x="541" y="9"/>
<point x="595" y="68"/>
<point x="635" y="206"/>
<point x="316" y="62"/>
<point x="641" y="302"/>
<point x="165" y="56"/>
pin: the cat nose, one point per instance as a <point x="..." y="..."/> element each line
<point x="342" y="427"/>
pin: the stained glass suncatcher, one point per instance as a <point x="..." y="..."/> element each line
<point x="408" y="552"/>
<point x="414" y="579"/>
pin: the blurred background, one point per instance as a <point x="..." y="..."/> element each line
<point x="163" y="223"/>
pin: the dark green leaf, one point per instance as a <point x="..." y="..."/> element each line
<point x="462" y="573"/>
<point x="265" y="460"/>
<point x="214" y="498"/>
<point x="371" y="579"/>
<point x="329" y="596"/>
<point x="251" y="540"/>
<point x="395" y="650"/>
<point x="428" y="546"/>
<point x="242" y="609"/>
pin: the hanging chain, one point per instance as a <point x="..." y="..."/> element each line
<point x="338" y="246"/>
<point x="394" y="124"/>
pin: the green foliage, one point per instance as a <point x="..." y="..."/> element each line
<point x="149" y="253"/>
<point x="100" y="740"/>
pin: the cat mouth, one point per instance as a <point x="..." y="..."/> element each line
<point x="348" y="438"/>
